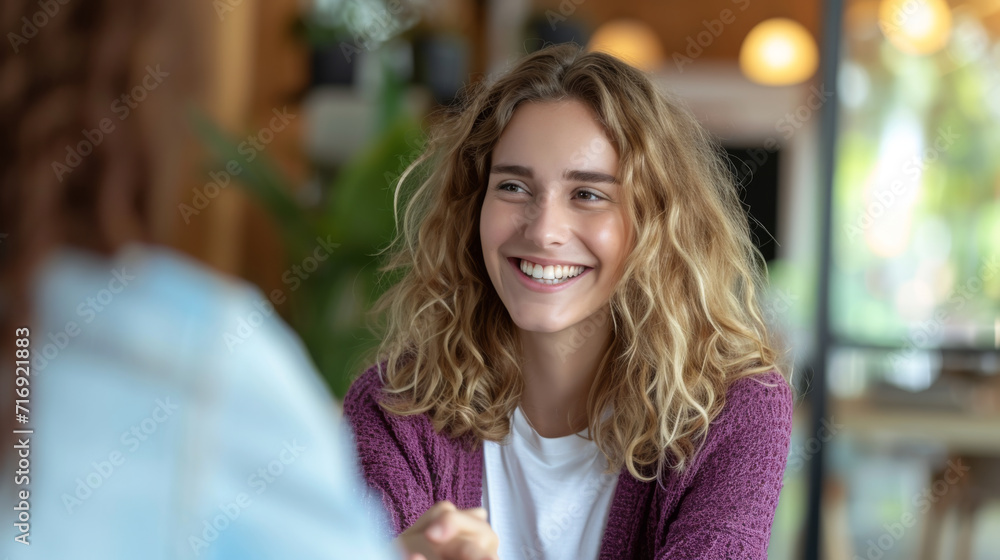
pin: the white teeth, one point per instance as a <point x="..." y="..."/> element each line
<point x="556" y="273"/>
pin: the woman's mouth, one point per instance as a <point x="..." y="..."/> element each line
<point x="549" y="275"/>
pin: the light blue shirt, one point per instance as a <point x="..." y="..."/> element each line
<point x="176" y="416"/>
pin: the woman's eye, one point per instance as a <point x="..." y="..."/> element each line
<point x="588" y="196"/>
<point x="503" y="187"/>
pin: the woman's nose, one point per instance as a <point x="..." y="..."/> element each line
<point x="546" y="222"/>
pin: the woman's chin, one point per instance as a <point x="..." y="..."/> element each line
<point x="540" y="325"/>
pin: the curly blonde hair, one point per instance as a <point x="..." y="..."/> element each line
<point x="685" y="313"/>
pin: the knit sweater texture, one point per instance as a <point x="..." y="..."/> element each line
<point x="722" y="507"/>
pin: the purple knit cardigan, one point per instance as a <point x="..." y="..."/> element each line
<point x="721" y="508"/>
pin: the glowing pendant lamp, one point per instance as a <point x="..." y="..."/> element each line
<point x="915" y="26"/>
<point x="779" y="52"/>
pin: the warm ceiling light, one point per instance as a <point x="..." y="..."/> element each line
<point x="915" y="26"/>
<point x="779" y="52"/>
<point x="630" y="40"/>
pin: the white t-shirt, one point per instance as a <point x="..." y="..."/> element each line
<point x="547" y="498"/>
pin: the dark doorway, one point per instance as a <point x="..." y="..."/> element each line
<point x="756" y="170"/>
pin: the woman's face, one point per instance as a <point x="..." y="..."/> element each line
<point x="553" y="198"/>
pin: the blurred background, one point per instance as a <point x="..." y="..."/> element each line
<point x="866" y="138"/>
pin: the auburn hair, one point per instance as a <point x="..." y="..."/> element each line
<point x="77" y="163"/>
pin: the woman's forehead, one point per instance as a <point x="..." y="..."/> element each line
<point x="556" y="133"/>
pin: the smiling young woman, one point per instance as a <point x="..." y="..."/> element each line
<point x="576" y="342"/>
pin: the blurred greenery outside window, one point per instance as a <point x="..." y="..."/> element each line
<point x="916" y="203"/>
<point x="916" y="227"/>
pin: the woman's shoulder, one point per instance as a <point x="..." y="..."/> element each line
<point x="366" y="391"/>
<point x="361" y="402"/>
<point x="362" y="408"/>
<point x="770" y="384"/>
<point x="366" y="387"/>
<point x="368" y="418"/>
<point x="752" y="431"/>
<point x="757" y="406"/>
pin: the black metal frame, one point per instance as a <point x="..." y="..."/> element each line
<point x="830" y="63"/>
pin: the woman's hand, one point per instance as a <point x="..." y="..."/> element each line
<point x="445" y="532"/>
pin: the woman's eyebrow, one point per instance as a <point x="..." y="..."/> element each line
<point x="570" y="175"/>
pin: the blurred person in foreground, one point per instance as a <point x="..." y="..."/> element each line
<point x="149" y="436"/>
